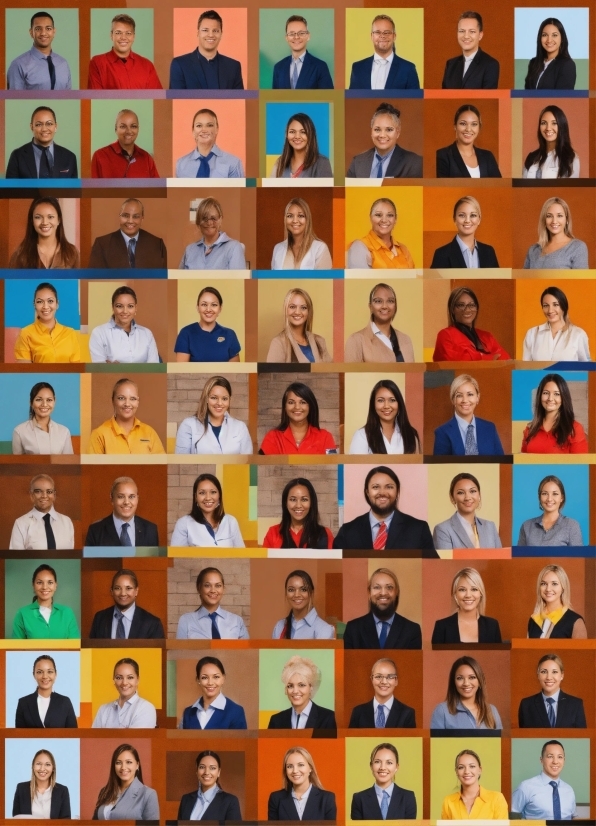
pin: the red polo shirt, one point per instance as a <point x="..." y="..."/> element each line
<point x="282" y="441"/>
<point x="108" y="71"/>
<point x="273" y="537"/>
<point x="110" y="162"/>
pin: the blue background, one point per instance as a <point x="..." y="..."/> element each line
<point x="278" y="115"/>
<point x="20" y="680"/>
<point x="525" y="381"/>
<point x="526" y="479"/>
<point x="19" y="755"/>
<point x="18" y="302"/>
<point x="16" y="387"/>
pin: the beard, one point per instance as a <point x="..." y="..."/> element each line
<point x="383" y="613"/>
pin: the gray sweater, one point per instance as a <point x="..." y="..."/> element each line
<point x="573" y="256"/>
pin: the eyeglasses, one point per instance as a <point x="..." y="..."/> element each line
<point x="383" y="34"/>
<point x="210" y="219"/>
<point x="292" y="35"/>
<point x="470" y="306"/>
<point x="210" y="31"/>
<point x="379" y="678"/>
<point x="128" y="35"/>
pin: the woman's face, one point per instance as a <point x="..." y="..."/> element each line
<point x="208" y="772"/>
<point x="467" y="596"/>
<point x="126" y="768"/>
<point x="210" y="226"/>
<point x="124" y="309"/>
<point x="46" y="221"/>
<point x="549" y="129"/>
<point x="550" y="398"/>
<point x="211" y="591"/>
<point x="42" y="768"/>
<point x="126" y="681"/>
<point x="218" y="402"/>
<point x="43" y="403"/>
<point x="297" y="137"/>
<point x="467" y="128"/>
<point x="297" y="769"/>
<point x="467" y="770"/>
<point x="551" y="590"/>
<point x="384" y="766"/>
<point x="466" y="682"/>
<point x="549" y="677"/>
<point x="386" y="405"/>
<point x="209" y="308"/>
<point x="383" y="219"/>
<point x="298" y="503"/>
<point x="296" y="221"/>
<point x="383" y="306"/>
<point x="551" y="41"/>
<point x="126" y="402"/>
<point x="385" y="133"/>
<point x="211" y="681"/>
<point x="555" y="220"/>
<point x="45" y="674"/>
<point x="296" y="408"/>
<point x="465" y="400"/>
<point x="466" y="497"/>
<point x="297" y="593"/>
<point x="551" y="497"/>
<point x="207" y="497"/>
<point x="46" y="304"/>
<point x="553" y="312"/>
<point x="44" y="586"/>
<point x="465" y="310"/>
<point x="298" y="690"/>
<point x="466" y="220"/>
<point x="297" y="311"/>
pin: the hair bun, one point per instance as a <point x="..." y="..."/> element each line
<point x="389" y="108"/>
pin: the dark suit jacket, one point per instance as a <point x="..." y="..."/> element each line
<point x="21" y="163"/>
<point x="402" y="806"/>
<point x="109" y="253"/>
<point x="186" y="72"/>
<point x="103" y="534"/>
<point x="144" y="626"/>
<point x="362" y="633"/>
<point x="402" y="74"/>
<point x="224" y="806"/>
<point x="319" y="717"/>
<point x="451" y="256"/>
<point x="483" y="73"/>
<point x="447" y="630"/>
<point x="400" y="716"/>
<point x="319" y="806"/>
<point x="405" y="533"/>
<point x="448" y="440"/>
<point x="59" y="807"/>
<point x="560" y="74"/>
<point x="403" y="164"/>
<point x="570" y="712"/>
<point x="313" y="75"/>
<point x="450" y="163"/>
<point x="60" y="712"/>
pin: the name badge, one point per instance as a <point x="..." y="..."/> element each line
<point x="220" y="339"/>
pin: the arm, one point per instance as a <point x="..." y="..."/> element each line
<point x="238" y="257"/>
<point x="359" y="257"/>
<point x="580" y="632"/>
<point x="442" y="165"/>
<point x="17" y="444"/>
<point x="180" y="535"/>
<point x="145" y="717"/>
<point x="19" y="631"/>
<point x="16" y="804"/>
<point x="17" y="539"/>
<point x="238" y="82"/>
<point x="96" y="442"/>
<point x="239" y="719"/>
<point x="72" y="629"/>
<point x="575" y="534"/>
<point x="71" y="719"/>
<point x="156" y="446"/>
<point x="439" y="633"/>
<point x="177" y="79"/>
<point x="15" y="80"/>
<point x="272" y="807"/>
<point x="242" y="632"/>
<point x="493" y="167"/>
<point x="12" y="170"/>
<point x="94" y="80"/>
<point x="353" y="351"/>
<point x="153" y="353"/>
<point x="437" y="720"/>
<point x="567" y="75"/>
<point x="237" y="541"/>
<point x="64" y="812"/>
<point x="579" y="257"/>
<point x="150" y="805"/>
<point x="501" y="811"/>
<point x="580" y="718"/>
<point x="442" y="540"/>
<point x="442" y="444"/>
<point x="521" y="539"/>
<point x="20" y="717"/>
<point x="413" y="82"/>
<point x="410" y="807"/>
<point x="96" y="347"/>
<point x="578" y="442"/>
<point x="529" y="343"/>
<point x="182" y="630"/>
<point x="153" y="82"/>
<point x="425" y="542"/>
<point x="246" y="447"/>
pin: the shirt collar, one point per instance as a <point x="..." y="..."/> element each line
<point x="378" y="619"/>
<point x="34" y="52"/>
<point x="39" y="515"/>
<point x="215" y="149"/>
<point x="309" y="619"/>
<point x="304" y="796"/>
<point x="113" y="57"/>
<point x="126" y="612"/>
<point x="128" y="238"/>
<point x="112" y="322"/>
<point x="463" y="423"/>
<point x="374" y="522"/>
<point x="470" y="57"/>
<point x="380" y="61"/>
<point x="219" y="703"/>
<point x="305" y="711"/>
<point x="203" y="612"/>
<point x="41" y="328"/>
<point x="547" y="780"/>
<point x="299" y="59"/>
<point x="117" y="149"/>
<point x="118" y="430"/>
<point x="388" y="704"/>
<point x="222" y="238"/>
<point x="464" y="247"/>
<point x="130" y="702"/>
<point x="209" y="794"/>
<point x="554" y="696"/>
<point x="206" y="59"/>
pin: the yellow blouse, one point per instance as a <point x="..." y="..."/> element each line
<point x="487" y="806"/>
<point x="42" y="346"/>
<point x="110" y="438"/>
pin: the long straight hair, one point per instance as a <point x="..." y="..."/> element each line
<point x="203" y="409"/>
<point x="309" y="233"/>
<point x="27" y="256"/>
<point x="312" y="146"/>
<point x="543" y="234"/>
<point x="314" y="777"/>
<point x="306" y="578"/>
<point x="313" y="532"/>
<point x="485" y="714"/>
<point x="563" y="579"/>
<point x="564" y="425"/>
<point x="111" y="790"/>
<point x="196" y="513"/>
<point x="304" y="392"/>
<point x="33" y="784"/>
<point x="372" y="428"/>
<point x="536" y="65"/>
<point x="564" y="152"/>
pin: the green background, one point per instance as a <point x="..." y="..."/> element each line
<point x="272" y="696"/>
<point x="18" y="131"/>
<point x="273" y="45"/>
<point x="103" y="119"/>
<point x="582" y="68"/>
<point x="525" y="763"/>
<point x="443" y="780"/>
<point x="66" y="42"/>
<point x="18" y="590"/>
<point x="101" y="25"/>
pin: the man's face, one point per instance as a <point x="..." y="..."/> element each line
<point x="553" y="761"/>
<point x="127" y="129"/>
<point x="43" y="127"/>
<point x="383" y="37"/>
<point x="125" y="500"/>
<point x="42" y="495"/>
<point x="124" y="592"/>
<point x="382" y="591"/>
<point x="469" y="35"/>
<point x="42" y="32"/>
<point x="122" y="37"/>
<point x="382" y="494"/>
<point x="297" y="36"/>
<point x="131" y="218"/>
<point x="209" y="34"/>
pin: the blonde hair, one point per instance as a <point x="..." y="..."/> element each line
<point x="459" y="381"/>
<point x="309" y="233"/>
<point x="543" y="236"/>
<point x="305" y="668"/>
<point x="33" y="784"/>
<point x="548" y="658"/>
<point x="314" y="777"/>
<point x="207" y="203"/>
<point x="468" y="199"/>
<point x="563" y="579"/>
<point x="299" y="291"/>
<point x="474" y="577"/>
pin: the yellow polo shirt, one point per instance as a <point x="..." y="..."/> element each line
<point x="42" y="346"/>
<point x="110" y="438"/>
<point x="487" y="806"/>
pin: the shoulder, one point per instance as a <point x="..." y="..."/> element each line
<point x="184" y="58"/>
<point x="403" y="63"/>
<point x="404" y="622"/>
<point x="229" y="62"/>
<point x="407" y="519"/>
<point x="285" y="61"/>
<point x="445" y="622"/>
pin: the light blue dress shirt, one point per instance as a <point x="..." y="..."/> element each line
<point x="298" y="63"/>
<point x="533" y="799"/>
<point x="126" y="618"/>
<point x="221" y="165"/>
<point x="380" y="792"/>
<point x="37" y="153"/>
<point x="226" y="254"/>
<point x="470" y="256"/>
<point x="462" y="719"/>
<point x="379" y="624"/>
<point x="311" y="627"/>
<point x="387" y="705"/>
<point x="131" y="530"/>
<point x="204" y="799"/>
<point x="135" y="713"/>
<point x="109" y="342"/>
<point x="463" y="428"/>
<point x="301" y="804"/>
<point x="29" y="71"/>
<point x="555" y="704"/>
<point x="196" y="625"/>
<point x="303" y="716"/>
<point x="374" y="167"/>
<point x="375" y="524"/>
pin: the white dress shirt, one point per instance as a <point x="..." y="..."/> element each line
<point x="550" y="168"/>
<point x="234" y="437"/>
<point x="29" y="437"/>
<point x="109" y="342"/>
<point x="360" y="443"/>
<point x="135" y="713"/>
<point x="380" y="71"/>
<point x="191" y="534"/>
<point x="29" y="532"/>
<point x="567" y="345"/>
<point x="43" y="703"/>
<point x="41" y="805"/>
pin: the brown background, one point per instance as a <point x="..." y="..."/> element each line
<point x="96" y="756"/>
<point x="409" y="576"/>
<point x="359" y="113"/>
<point x="577" y="112"/>
<point x="439" y="130"/>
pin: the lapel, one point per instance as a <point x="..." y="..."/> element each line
<point x="189" y="805"/>
<point x="459" y="162"/>
<point x="129" y="796"/>
<point x="562" y="710"/>
<point x="369" y="715"/>
<point x="471" y="69"/>
<point x="394" y="713"/>
<point x="371" y="808"/>
<point x="396" y="163"/>
<point x="305" y="75"/>
<point x="139" y="532"/>
<point x="455" y="255"/>
<point x="29" y="158"/>
<point x="394" y="632"/>
<point x="482" y="163"/>
<point x="111" y="531"/>
<point x="394" y="529"/>
<point x="198" y="71"/>
<point x="216" y="718"/>
<point x="289" y="808"/>
<point x="32" y="703"/>
<point x="393" y="75"/>
<point x="541" y="711"/>
<point x="395" y="804"/>
<point x="312" y="810"/>
<point x="106" y="623"/>
<point x="369" y="632"/>
<point x="457" y="437"/>
<point x="459" y="531"/>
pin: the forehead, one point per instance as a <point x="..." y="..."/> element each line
<point x="209" y="297"/>
<point x="132" y="205"/>
<point x="42" y="21"/>
<point x="384" y="121"/>
<point x="126" y="117"/>
<point x="125" y="487"/>
<point x="42" y="114"/>
<point x="382" y="579"/>
<point x="384" y="754"/>
<point x="380" y="479"/>
<point x="125" y="667"/>
<point x="129" y="387"/>
<point x="43" y="663"/>
<point x="298" y="490"/>
<point x="204" y="118"/>
<point x="124" y="581"/>
<point x="126" y="755"/>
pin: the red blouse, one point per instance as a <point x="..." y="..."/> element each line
<point x="282" y="442"/>
<point x="544" y="442"/>
<point x="273" y="537"/>
<point x="453" y="345"/>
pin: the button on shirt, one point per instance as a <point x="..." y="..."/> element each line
<point x="374" y="169"/>
<point x="221" y="165"/>
<point x="565" y="531"/>
<point x="109" y="342"/>
<point x="204" y="799"/>
<point x="375" y="524"/>
<point x="39" y="345"/>
<point x="128" y="614"/>
<point x="311" y="627"/>
<point x="303" y="716"/>
<point x="135" y="713"/>
<point x="533" y="799"/>
<point x="38" y="152"/>
<point x="380" y="71"/>
<point x="29" y="72"/>
<point x="226" y="254"/>
<point x="470" y="255"/>
<point x="301" y="804"/>
<point x="196" y="625"/>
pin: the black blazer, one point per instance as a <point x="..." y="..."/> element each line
<point x="21" y="163"/>
<point x="560" y="74"/>
<point x="570" y="712"/>
<point x="110" y="252"/>
<point x="447" y="630"/>
<point x="403" y="164"/>
<point x="60" y="712"/>
<point x="405" y="532"/>
<point x="186" y="72"/>
<point x="400" y="716"/>
<point x="483" y="73"/>
<point x="144" y="626"/>
<point x="59" y="807"/>
<point x="451" y="257"/>
<point x="450" y="163"/>
<point x="103" y="534"/>
<point x="319" y="717"/>
<point x="319" y="806"/>
<point x="224" y="806"/>
<point x="362" y="633"/>
<point x="402" y="806"/>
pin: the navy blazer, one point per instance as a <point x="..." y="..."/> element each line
<point x="402" y="74"/>
<point x="59" y="806"/>
<point x="483" y="72"/>
<point x="362" y="633"/>
<point x="446" y="630"/>
<point x="451" y="257"/>
<point x="21" y="163"/>
<point x="402" y="806"/>
<point x="449" y="442"/>
<point x="319" y="806"/>
<point x="314" y="74"/>
<point x="570" y="712"/>
<point x="400" y="716"/>
<point x="450" y="163"/>
<point x="144" y="626"/>
<point x="405" y="533"/>
<point x="319" y="717"/>
<point x="232" y="716"/>
<point x="103" y="534"/>
<point x="224" y="806"/>
<point x="60" y="713"/>
<point x="186" y="72"/>
<point x="560" y="74"/>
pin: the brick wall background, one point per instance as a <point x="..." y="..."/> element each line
<point x="181" y="478"/>
<point x="271" y="390"/>
<point x="273" y="478"/>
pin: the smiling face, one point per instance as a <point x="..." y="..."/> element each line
<point x="384" y="679"/>
<point x="466" y="682"/>
<point x="45" y="675"/>
<point x="386" y="405"/>
<point x="551" y="498"/>
<point x="43" y="404"/>
<point x="296" y="221"/>
<point x="297" y="311"/>
<point x="43" y="495"/>
<point x="550" y="398"/>
<point x="124" y="592"/>
<point x="555" y="220"/>
<point x="296" y="409"/>
<point x="385" y="133"/>
<point x="551" y="591"/>
<point x="465" y="310"/>
<point x="383" y="306"/>
<point x="298" y="503"/>
<point x="43" y="768"/>
<point x="211" y="591"/>
<point x="209" y="34"/>
<point x="382" y="494"/>
<point x="204" y="130"/>
<point x="383" y="37"/>
<point x="211" y="681"/>
<point x="122" y="37"/>
<point x="209" y="309"/>
<point x="125" y="501"/>
<point x="43" y="33"/>
<point x="207" y="497"/>
<point x="127" y="130"/>
<point x="550" y="677"/>
<point x="553" y="312"/>
<point x="131" y="218"/>
<point x="124" y="309"/>
<point x="44" y="587"/>
<point x="297" y="770"/>
<point x="467" y="128"/>
<point x="126" y="402"/>
<point x="383" y="219"/>
<point x="382" y="592"/>
<point x="467" y="220"/>
<point x="467" y="597"/>
<point x="297" y="36"/>
<point x="465" y="400"/>
<point x="553" y="761"/>
<point x="298" y="692"/>
<point x="384" y="766"/>
<point x="126" y="681"/>
<point x="297" y="136"/>
<point x="549" y="128"/>
<point x="298" y="595"/>
<point x="218" y="402"/>
<point x="468" y="770"/>
<point x="44" y="127"/>
<point x="46" y="223"/>
<point x="126" y="768"/>
<point x="466" y="498"/>
<point x="469" y="35"/>
<point x="550" y="40"/>
<point x="208" y="772"/>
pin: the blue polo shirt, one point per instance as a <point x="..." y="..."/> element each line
<point x="221" y="344"/>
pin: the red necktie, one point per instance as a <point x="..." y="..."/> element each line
<point x="381" y="540"/>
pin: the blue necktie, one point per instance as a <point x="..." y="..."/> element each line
<point x="556" y="800"/>
<point x="380" y="166"/>
<point x="384" y="804"/>
<point x="52" y="72"/>
<point x="551" y="712"/>
<point x="215" y="635"/>
<point x="125" y="536"/>
<point x="380" y="720"/>
<point x="132" y="261"/>
<point x="203" y="171"/>
<point x="471" y="446"/>
<point x="294" y="78"/>
<point x="383" y="634"/>
<point x="120" y="632"/>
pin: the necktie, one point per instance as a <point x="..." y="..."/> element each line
<point x="125" y="536"/>
<point x="384" y="804"/>
<point x="383" y="634"/>
<point x="120" y="632"/>
<point x="215" y="635"/>
<point x="132" y="262"/>
<point x="203" y="171"/>
<point x="471" y="446"/>
<point x="52" y="72"/>
<point x="297" y="721"/>
<point x="381" y="538"/>
<point x="45" y="164"/>
<point x="294" y="78"/>
<point x="380" y="166"/>
<point x="380" y="718"/>
<point x="556" y="800"/>
<point x="551" y="712"/>
<point x="49" y="532"/>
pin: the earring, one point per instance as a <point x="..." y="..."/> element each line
<point x="479" y="505"/>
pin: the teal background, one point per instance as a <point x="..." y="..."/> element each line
<point x="272" y="696"/>
<point x="101" y="25"/>
<point x="273" y="45"/>
<point x="18" y="590"/>
<point x="17" y="129"/>
<point x="525" y="763"/>
<point x="103" y="119"/>
<point x="65" y="43"/>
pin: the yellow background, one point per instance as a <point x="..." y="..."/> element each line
<point x="443" y="780"/>
<point x="409" y="43"/>
<point x="271" y="315"/>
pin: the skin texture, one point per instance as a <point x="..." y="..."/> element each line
<point x="126" y="682"/>
<point x="44" y="500"/>
<point x="211" y="591"/>
<point x="385" y="133"/>
<point x="384" y="767"/>
<point x="126" y="768"/>
<point x="298" y="504"/>
<point x="45" y="676"/>
<point x="208" y="773"/>
<point x="469" y="36"/>
<point x="211" y="682"/>
<point x="550" y="677"/>
<point x="131" y="218"/>
<point x="298" y="597"/>
<point x="466" y="400"/>
<point x="209" y="35"/>
<point x="125" y="501"/>
<point x="43" y="33"/>
<point x="124" y="592"/>
<point x="297" y="44"/>
<point x="44" y="127"/>
<point x="122" y="37"/>
<point x="467" y="221"/>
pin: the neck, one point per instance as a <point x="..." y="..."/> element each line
<point x="42" y="785"/>
<point x="208" y="700"/>
<point x="385" y="238"/>
<point x="384" y="54"/>
<point x="122" y="55"/>
<point x="552" y="606"/>
<point x="44" y="49"/>
<point x="299" y="333"/>
<point x="122" y="700"/>
<point x="384" y="327"/>
<point x="45" y="241"/>
<point x="125" y="424"/>
<point x="207" y="55"/>
<point x="299" y="429"/>
<point x="300" y="788"/>
<point x="43" y="422"/>
<point x="548" y="692"/>
<point x="384" y="784"/>
<point x="296" y="55"/>
<point x="551" y="145"/>
<point x="129" y="149"/>
<point x="204" y="788"/>
<point x="300" y="708"/>
<point x="466" y="149"/>
<point x="216" y="420"/>
<point x="469" y="517"/>
<point x="299" y="156"/>
<point x="470" y="791"/>
<point x="44" y="603"/>
<point x="124" y="784"/>
<point x="296" y="525"/>
<point x="210" y="608"/>
<point x="210" y="238"/>
<point x="557" y="325"/>
<point x="205" y="148"/>
<point x="469" y="702"/>
<point x="300" y="613"/>
<point x="382" y="517"/>
<point x="44" y="692"/>
<point x="126" y="327"/>
<point x="209" y="517"/>
<point x="208" y="326"/>
<point x="468" y="240"/>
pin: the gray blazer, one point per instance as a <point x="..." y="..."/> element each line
<point x="451" y="534"/>
<point x="138" y="802"/>
<point x="403" y="164"/>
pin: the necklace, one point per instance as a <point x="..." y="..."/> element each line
<point x="43" y="257"/>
